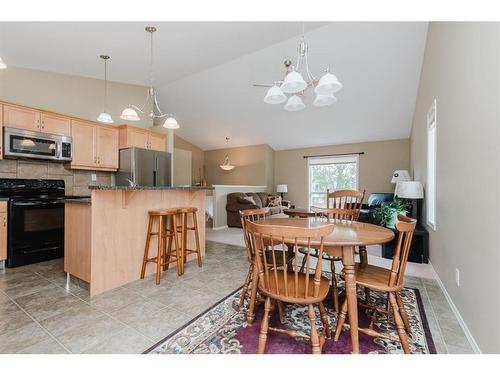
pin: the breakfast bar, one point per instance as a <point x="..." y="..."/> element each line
<point x="105" y="235"/>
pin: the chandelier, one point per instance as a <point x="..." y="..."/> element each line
<point x="104" y="116"/>
<point x="130" y="113"/>
<point x="226" y="166"/>
<point x="295" y="86"/>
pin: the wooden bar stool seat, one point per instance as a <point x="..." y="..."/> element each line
<point x="183" y="229"/>
<point x="167" y="234"/>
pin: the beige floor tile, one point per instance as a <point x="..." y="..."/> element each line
<point x="12" y="317"/>
<point x="77" y="316"/>
<point x="126" y="341"/>
<point x="29" y="285"/>
<point x="21" y="338"/>
<point x="47" y="346"/>
<point x="137" y="312"/>
<point x="115" y="299"/>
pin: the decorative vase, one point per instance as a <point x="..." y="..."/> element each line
<point x="392" y="223"/>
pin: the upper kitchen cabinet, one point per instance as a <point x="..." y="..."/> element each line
<point x="35" y="120"/>
<point x="95" y="146"/>
<point x="1" y="131"/>
<point x="130" y="136"/>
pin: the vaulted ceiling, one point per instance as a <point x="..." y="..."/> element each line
<point x="204" y="72"/>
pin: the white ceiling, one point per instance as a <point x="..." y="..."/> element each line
<point x="204" y="73"/>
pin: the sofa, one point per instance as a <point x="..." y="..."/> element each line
<point x="237" y="202"/>
<point x="374" y="200"/>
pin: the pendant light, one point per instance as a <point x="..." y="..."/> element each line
<point x="104" y="116"/>
<point x="3" y="65"/>
<point x="130" y="113"/>
<point x="294" y="104"/>
<point x="226" y="166"/>
<point x="275" y="95"/>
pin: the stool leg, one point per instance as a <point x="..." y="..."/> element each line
<point x="146" y="247"/>
<point x="197" y="237"/>
<point x="178" y="250"/>
<point x="184" y="238"/>
<point x="170" y="240"/>
<point x="160" y="249"/>
<point x="164" y="243"/>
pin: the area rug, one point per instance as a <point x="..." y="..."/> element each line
<point x="223" y="329"/>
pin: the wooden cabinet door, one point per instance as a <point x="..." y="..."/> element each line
<point x="55" y="124"/>
<point x="1" y="131"/>
<point x="157" y="141"/>
<point x="84" y="137"/>
<point x="137" y="138"/>
<point x="21" y="118"/>
<point x="3" y="230"/>
<point x="107" y="147"/>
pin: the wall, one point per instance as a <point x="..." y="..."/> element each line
<point x="197" y="156"/>
<point x="76" y="182"/>
<point x="254" y="165"/>
<point x="462" y="71"/>
<point x="376" y="166"/>
<point x="72" y="95"/>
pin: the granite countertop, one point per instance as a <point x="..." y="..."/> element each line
<point x="179" y="187"/>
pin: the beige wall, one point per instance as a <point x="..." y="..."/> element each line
<point x="462" y="71"/>
<point x="376" y="166"/>
<point x="254" y="165"/>
<point x="71" y="95"/>
<point x="197" y="156"/>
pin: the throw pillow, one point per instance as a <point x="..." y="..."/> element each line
<point x="246" y="200"/>
<point x="273" y="201"/>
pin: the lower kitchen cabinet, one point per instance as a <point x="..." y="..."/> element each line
<point x="3" y="231"/>
<point x="77" y="239"/>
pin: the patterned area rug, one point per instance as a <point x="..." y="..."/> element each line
<point x="223" y="329"/>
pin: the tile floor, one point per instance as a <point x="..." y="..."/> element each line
<point x="38" y="315"/>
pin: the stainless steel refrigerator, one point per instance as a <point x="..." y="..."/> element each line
<point x="141" y="167"/>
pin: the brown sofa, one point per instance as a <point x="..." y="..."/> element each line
<point x="234" y="205"/>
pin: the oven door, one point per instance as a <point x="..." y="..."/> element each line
<point x="36" y="230"/>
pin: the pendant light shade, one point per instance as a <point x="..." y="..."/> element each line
<point x="226" y="166"/>
<point x="275" y="96"/>
<point x="328" y="84"/>
<point x="324" y="100"/>
<point x="293" y="83"/>
<point x="105" y="117"/>
<point x="129" y="114"/>
<point x="2" y="64"/>
<point x="294" y="104"/>
<point x="171" y="123"/>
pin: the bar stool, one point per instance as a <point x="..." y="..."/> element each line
<point x="166" y="232"/>
<point x="183" y="229"/>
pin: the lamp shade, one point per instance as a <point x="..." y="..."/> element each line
<point x="324" y="100"/>
<point x="275" y="96"/>
<point x="171" y="123"/>
<point x="409" y="190"/>
<point x="105" y="118"/>
<point x="328" y="84"/>
<point x="129" y="114"/>
<point x="400" y="175"/>
<point x="293" y="83"/>
<point x="282" y="188"/>
<point x="294" y="104"/>
<point x="2" y="64"/>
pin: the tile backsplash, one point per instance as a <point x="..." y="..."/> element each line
<point x="76" y="181"/>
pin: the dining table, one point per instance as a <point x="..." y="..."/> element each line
<point x="341" y="242"/>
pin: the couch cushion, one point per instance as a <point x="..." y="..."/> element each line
<point x="246" y="200"/>
<point x="256" y="198"/>
<point x="263" y="198"/>
<point x="273" y="201"/>
<point x="232" y="198"/>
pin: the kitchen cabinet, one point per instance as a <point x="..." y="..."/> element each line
<point x="95" y="146"/>
<point x="1" y="131"/>
<point x="34" y="120"/>
<point x="131" y="136"/>
<point x="77" y="239"/>
<point x="3" y="231"/>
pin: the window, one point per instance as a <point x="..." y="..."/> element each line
<point x="333" y="173"/>
<point x="431" y="166"/>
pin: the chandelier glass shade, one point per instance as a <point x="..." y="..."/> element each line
<point x="226" y="165"/>
<point x="3" y="65"/>
<point x="151" y="107"/>
<point x="104" y="116"/>
<point x="297" y="82"/>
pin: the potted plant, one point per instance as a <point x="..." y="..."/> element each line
<point x="387" y="215"/>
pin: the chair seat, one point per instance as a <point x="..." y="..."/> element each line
<point x="374" y="277"/>
<point x="324" y="286"/>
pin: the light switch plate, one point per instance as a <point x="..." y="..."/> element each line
<point x="93" y="177"/>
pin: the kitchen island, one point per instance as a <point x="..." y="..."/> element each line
<point x="105" y="235"/>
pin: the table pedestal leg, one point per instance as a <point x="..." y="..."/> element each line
<point x="351" y="295"/>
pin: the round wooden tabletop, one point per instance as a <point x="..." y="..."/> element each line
<point x="299" y="212"/>
<point x="345" y="233"/>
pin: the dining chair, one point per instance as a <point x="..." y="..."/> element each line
<point x="390" y="281"/>
<point x="339" y="214"/>
<point x="254" y="215"/>
<point x="287" y="284"/>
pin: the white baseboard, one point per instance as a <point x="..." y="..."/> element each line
<point x="454" y="308"/>
<point x="219" y="228"/>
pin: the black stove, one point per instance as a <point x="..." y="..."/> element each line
<point x="35" y="220"/>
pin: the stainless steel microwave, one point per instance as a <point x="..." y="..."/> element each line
<point x="34" y="145"/>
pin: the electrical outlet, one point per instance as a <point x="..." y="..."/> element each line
<point x="457" y="276"/>
<point x="93" y="177"/>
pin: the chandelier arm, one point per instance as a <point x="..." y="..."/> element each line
<point x="311" y="78"/>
